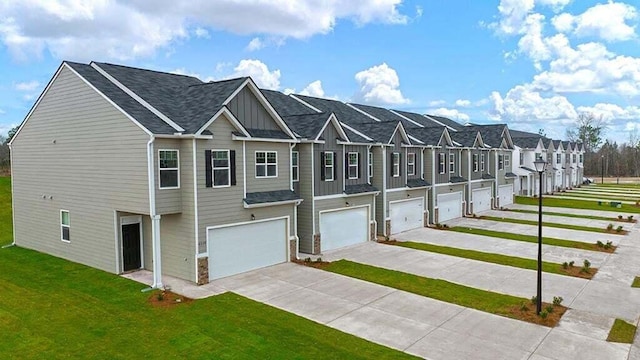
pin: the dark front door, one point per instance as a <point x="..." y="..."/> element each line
<point x="131" y="247"/>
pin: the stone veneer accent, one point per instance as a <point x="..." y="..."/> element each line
<point x="426" y="219"/>
<point x="435" y="216"/>
<point x="372" y="231"/>
<point x="387" y="226"/>
<point x="316" y="244"/>
<point x="203" y="270"/>
<point x="293" y="249"/>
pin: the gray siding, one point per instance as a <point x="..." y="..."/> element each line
<point x="379" y="173"/>
<point x="429" y="166"/>
<point x="82" y="172"/>
<point x="168" y="201"/>
<point x="418" y="154"/>
<point x="475" y="175"/>
<point x="464" y="163"/>
<point x="442" y="178"/>
<point x="330" y="135"/>
<point x="406" y="195"/>
<point x="398" y="181"/>
<point x="305" y="209"/>
<point x="339" y="203"/>
<point x="362" y="164"/>
<point x="250" y="112"/>
<point x="220" y="206"/>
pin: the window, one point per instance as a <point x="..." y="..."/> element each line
<point x="396" y="164"/>
<point x="441" y="166"/>
<point x="507" y="161"/>
<point x="521" y="159"/>
<point x="328" y="166"/>
<point x="452" y="163"/>
<point x="370" y="164"/>
<point x="558" y="158"/>
<point x="169" y="169"/>
<point x="573" y="158"/>
<point x="220" y="168"/>
<point x="352" y="165"/>
<point x="500" y="162"/>
<point x="64" y="225"/>
<point x="294" y="166"/>
<point x="482" y="162"/>
<point x="581" y="158"/>
<point x="538" y="156"/>
<point x="476" y="164"/>
<point x="411" y="163"/>
<point x="266" y="164"/>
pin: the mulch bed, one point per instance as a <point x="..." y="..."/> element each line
<point x="527" y="312"/>
<point x="166" y="298"/>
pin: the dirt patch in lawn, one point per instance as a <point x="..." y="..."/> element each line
<point x="166" y="298"/>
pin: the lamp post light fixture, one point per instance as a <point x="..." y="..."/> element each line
<point x="539" y="164"/>
<point x="602" y="165"/>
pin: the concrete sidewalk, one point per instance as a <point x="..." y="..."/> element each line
<point x="601" y="224"/>
<point x="603" y="199"/>
<point x="554" y="254"/>
<point x="604" y="213"/>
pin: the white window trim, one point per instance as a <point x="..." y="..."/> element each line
<point x="295" y="176"/>
<point x="395" y="156"/>
<point x="507" y="161"/>
<point x="63" y="226"/>
<point x="476" y="162"/>
<point x="213" y="168"/>
<point x="266" y="176"/>
<point x="482" y="161"/>
<point x="411" y="163"/>
<point x="161" y="169"/>
<point x="442" y="161"/>
<point x="452" y="163"/>
<point x="370" y="163"/>
<point x="500" y="163"/>
<point x="324" y="164"/>
<point x="349" y="165"/>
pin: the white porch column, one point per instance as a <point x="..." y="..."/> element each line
<point x="157" y="252"/>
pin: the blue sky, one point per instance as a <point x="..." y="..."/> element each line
<point x="528" y="63"/>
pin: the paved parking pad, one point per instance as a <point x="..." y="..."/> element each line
<point x="600" y="224"/>
<point x="602" y="213"/>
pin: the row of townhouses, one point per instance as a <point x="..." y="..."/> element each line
<point x="124" y="169"/>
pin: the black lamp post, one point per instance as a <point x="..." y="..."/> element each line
<point x="602" y="165"/>
<point x="539" y="164"/>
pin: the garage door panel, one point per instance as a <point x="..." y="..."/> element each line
<point x="406" y="215"/>
<point x="449" y="206"/>
<point x="343" y="228"/>
<point x="506" y="194"/>
<point x="481" y="199"/>
<point x="241" y="248"/>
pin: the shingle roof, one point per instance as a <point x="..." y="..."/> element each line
<point x="526" y="142"/>
<point x="487" y="177"/>
<point x="428" y="135"/>
<point x="522" y="134"/>
<point x="343" y="112"/>
<point x="447" y="122"/>
<point x="285" y="105"/>
<point x="307" y="126"/>
<point x="420" y="119"/>
<point x="353" y="137"/>
<point x="466" y="138"/>
<point x="383" y="114"/>
<point x="491" y="134"/>
<point x="359" y="189"/>
<point x="145" y="117"/>
<point x="200" y="102"/>
<point x="379" y="131"/>
<point x="417" y="183"/>
<point x="457" y="179"/>
<point x="263" y="197"/>
<point x="510" y="175"/>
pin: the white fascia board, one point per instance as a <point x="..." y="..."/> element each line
<point x="241" y="138"/>
<point x="306" y="103"/>
<point x="252" y="206"/>
<point x="438" y="122"/>
<point x="406" y="118"/>
<point x="363" y="112"/>
<point x="137" y="98"/>
<point x="234" y="121"/>
<point x="415" y="139"/>
<point x="355" y="131"/>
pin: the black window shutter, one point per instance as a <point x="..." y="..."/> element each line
<point x="232" y="165"/>
<point x="346" y="165"/>
<point x="359" y="165"/>
<point x="391" y="163"/>
<point x="335" y="166"/>
<point x="323" y="176"/>
<point x="207" y="168"/>
<point x="400" y="163"/>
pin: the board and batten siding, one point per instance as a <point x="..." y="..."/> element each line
<point x="335" y="186"/>
<point x="305" y="209"/>
<point x="418" y="160"/>
<point x="224" y="205"/>
<point x="442" y="178"/>
<point x="475" y="175"/>
<point x="362" y="164"/>
<point x="169" y="201"/>
<point x="379" y="172"/>
<point x="78" y="153"/>
<point x="246" y="107"/>
<point x="397" y="181"/>
<point x="429" y="166"/>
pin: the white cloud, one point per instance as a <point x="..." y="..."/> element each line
<point x="288" y="91"/>
<point x="523" y="104"/>
<point x="532" y="42"/>
<point x="611" y="112"/>
<point x="606" y="21"/>
<point x="556" y="5"/>
<point x="313" y="89"/>
<point x="563" y="22"/>
<point x="434" y="103"/>
<point x="2" y="112"/>
<point x="463" y="103"/>
<point x="255" y="44"/>
<point x="259" y="72"/>
<point x="183" y="71"/>
<point x="201" y="32"/>
<point x="119" y="29"/>
<point x="512" y="15"/>
<point x="453" y="114"/>
<point x="632" y="126"/>
<point x="27" y="86"/>
<point x="380" y="85"/>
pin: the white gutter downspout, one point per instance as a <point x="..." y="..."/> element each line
<point x="384" y="189"/>
<point x="155" y="221"/>
<point x="13" y="206"/>
<point x="495" y="174"/>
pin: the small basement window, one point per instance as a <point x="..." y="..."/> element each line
<point x="169" y="169"/>
<point x="64" y="226"/>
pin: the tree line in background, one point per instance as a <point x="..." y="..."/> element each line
<point x="5" y="157"/>
<point x="609" y="159"/>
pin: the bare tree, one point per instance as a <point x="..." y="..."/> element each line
<point x="588" y="130"/>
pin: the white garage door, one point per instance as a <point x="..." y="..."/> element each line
<point x="505" y="192"/>
<point x="449" y="206"/>
<point x="343" y="228"/>
<point x="240" y="248"/>
<point x="481" y="199"/>
<point x="406" y="215"/>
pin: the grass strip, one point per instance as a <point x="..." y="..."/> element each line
<point x="548" y="224"/>
<point x="636" y="282"/>
<point x="597" y="197"/>
<point x="577" y="204"/>
<point x="523" y="263"/>
<point x="578" y="216"/>
<point x="622" y="332"/>
<point x="487" y="301"/>
<point x="533" y="239"/>
<point x="631" y="186"/>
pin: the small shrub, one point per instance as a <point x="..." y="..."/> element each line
<point x="619" y="217"/>
<point x="557" y="300"/>
<point x="438" y="226"/>
<point x="600" y="244"/>
<point x="619" y="228"/>
<point x="549" y="309"/>
<point x="610" y="227"/>
<point x="160" y="296"/>
<point x="630" y="217"/>
<point x="524" y="307"/>
<point x="447" y="226"/>
<point x="608" y="245"/>
<point x="565" y="265"/>
<point x="307" y="259"/>
<point x="544" y="314"/>
<point x="534" y="299"/>
<point x="586" y="267"/>
<point x="571" y="263"/>
<point x="319" y="260"/>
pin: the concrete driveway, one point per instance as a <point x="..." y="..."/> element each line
<point x="600" y="224"/>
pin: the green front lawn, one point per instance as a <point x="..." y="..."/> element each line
<point x="487" y="301"/>
<point x="532" y="239"/>
<point x="578" y="216"/>
<point x="547" y="224"/>
<point x="622" y="332"/>
<point x="605" y="198"/>
<point x="523" y="263"/>
<point x="54" y="309"/>
<point x="577" y="204"/>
